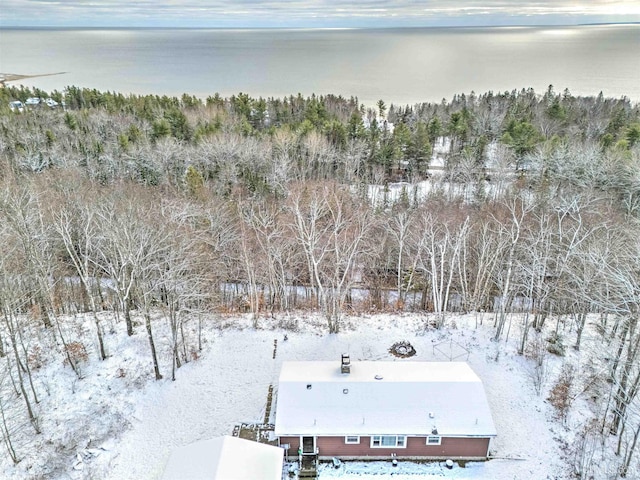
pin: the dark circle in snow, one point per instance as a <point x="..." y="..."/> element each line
<point x="402" y="349"/>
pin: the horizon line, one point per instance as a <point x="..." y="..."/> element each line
<point x="379" y="27"/>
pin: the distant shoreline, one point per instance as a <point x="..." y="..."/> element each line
<point x="13" y="77"/>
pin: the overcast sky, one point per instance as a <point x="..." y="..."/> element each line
<point x="312" y="13"/>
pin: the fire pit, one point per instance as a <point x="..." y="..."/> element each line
<point x="402" y="349"/>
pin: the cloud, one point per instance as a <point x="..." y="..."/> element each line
<point x="216" y="13"/>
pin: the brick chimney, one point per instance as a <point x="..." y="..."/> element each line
<point x="345" y="367"/>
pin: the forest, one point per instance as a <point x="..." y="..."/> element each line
<point x="171" y="210"/>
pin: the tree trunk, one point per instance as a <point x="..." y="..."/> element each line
<point x="32" y="417"/>
<point x="103" y="354"/>
<point x="127" y="317"/>
<point x="156" y="368"/>
<point x="622" y="399"/>
<point x="582" y="318"/>
<point x="6" y="435"/>
<point x="629" y="454"/>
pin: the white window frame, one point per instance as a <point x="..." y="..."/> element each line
<point x="438" y="440"/>
<point x="352" y="440"/>
<point x="400" y="441"/>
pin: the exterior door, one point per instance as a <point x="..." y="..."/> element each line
<point x="308" y="445"/>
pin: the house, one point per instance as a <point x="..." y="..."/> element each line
<point x="32" y="101"/>
<point x="225" y="458"/>
<point x="382" y="410"/>
<point x="16" y="106"/>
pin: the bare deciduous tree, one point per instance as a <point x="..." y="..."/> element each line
<point x="331" y="228"/>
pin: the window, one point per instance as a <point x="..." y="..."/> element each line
<point x="388" y="441"/>
<point x="434" y="440"/>
<point x="352" y="440"/>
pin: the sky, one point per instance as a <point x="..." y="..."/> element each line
<point x="312" y="13"/>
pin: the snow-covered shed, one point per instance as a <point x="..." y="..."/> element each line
<point x="225" y="458"/>
<point x="402" y="409"/>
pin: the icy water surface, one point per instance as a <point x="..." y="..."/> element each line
<point x="397" y="65"/>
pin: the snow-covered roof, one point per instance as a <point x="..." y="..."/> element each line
<point x="403" y="398"/>
<point x="225" y="458"/>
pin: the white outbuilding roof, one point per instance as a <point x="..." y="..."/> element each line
<point x="225" y="458"/>
<point x="382" y="398"/>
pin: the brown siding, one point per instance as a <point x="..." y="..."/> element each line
<point x="335" y="447"/>
<point x="450" y="447"/>
<point x="416" y="447"/>
<point x="294" y="443"/>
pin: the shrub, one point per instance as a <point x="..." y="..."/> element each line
<point x="560" y="395"/>
<point x="76" y="354"/>
<point x="555" y="345"/>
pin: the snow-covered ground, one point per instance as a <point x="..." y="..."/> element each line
<point x="496" y="164"/>
<point x="121" y="424"/>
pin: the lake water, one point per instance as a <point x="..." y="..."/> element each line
<point x="402" y="66"/>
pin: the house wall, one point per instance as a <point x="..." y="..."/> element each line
<point x="453" y="447"/>
<point x="294" y="445"/>
<point x="449" y="447"/>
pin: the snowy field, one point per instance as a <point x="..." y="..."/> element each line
<point x="120" y="424"/>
